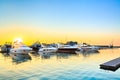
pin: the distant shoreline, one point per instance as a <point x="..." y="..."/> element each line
<point x="106" y="46"/>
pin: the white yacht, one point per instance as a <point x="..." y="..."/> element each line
<point x="47" y="50"/>
<point x="87" y="49"/>
<point x="20" y="48"/>
<point x="23" y="49"/>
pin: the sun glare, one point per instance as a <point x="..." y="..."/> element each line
<point x="18" y="40"/>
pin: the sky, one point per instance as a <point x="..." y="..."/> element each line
<point x="90" y="21"/>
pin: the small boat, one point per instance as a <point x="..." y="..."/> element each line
<point x="36" y="46"/>
<point x="47" y="50"/>
<point x="5" y="48"/>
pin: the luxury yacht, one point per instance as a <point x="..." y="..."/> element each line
<point x="19" y="49"/>
<point x="67" y="48"/>
<point x="23" y="49"/>
<point x="47" y="50"/>
<point x="87" y="49"/>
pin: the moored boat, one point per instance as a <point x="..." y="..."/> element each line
<point x="87" y="49"/>
<point x="5" y="48"/>
<point x="19" y="49"/>
<point x="47" y="50"/>
<point x="23" y="49"/>
<point x="67" y="49"/>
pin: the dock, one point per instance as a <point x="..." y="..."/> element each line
<point x="112" y="65"/>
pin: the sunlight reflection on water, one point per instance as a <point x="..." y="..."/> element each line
<point x="60" y="67"/>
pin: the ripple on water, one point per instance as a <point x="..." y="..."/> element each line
<point x="60" y="67"/>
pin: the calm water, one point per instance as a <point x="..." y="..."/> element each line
<point x="60" y="67"/>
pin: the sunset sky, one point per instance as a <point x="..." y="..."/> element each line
<point x="90" y="21"/>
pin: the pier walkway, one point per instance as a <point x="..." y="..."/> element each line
<point x="111" y="65"/>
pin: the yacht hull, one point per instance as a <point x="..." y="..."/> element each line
<point x="66" y="50"/>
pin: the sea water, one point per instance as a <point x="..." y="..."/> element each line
<point x="60" y="66"/>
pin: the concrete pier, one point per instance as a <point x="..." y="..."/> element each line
<point x="111" y="65"/>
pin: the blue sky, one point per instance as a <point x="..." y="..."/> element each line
<point x="86" y="16"/>
<point x="87" y="13"/>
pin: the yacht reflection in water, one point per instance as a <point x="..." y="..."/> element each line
<point x="42" y="55"/>
<point x="21" y="58"/>
<point x="45" y="55"/>
<point x="64" y="55"/>
<point x="57" y="55"/>
<point x="19" y="51"/>
<point x="87" y="53"/>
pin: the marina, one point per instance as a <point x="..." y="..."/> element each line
<point x="60" y="40"/>
<point x="42" y="57"/>
<point x="59" y="66"/>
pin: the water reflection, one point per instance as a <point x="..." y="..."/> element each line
<point x="19" y="58"/>
<point x="59" y="66"/>
<point x="45" y="55"/>
<point x="62" y="55"/>
<point x="65" y="55"/>
<point x="5" y="54"/>
<point x="25" y="57"/>
<point x="87" y="54"/>
<point x="34" y="54"/>
<point x="50" y="55"/>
